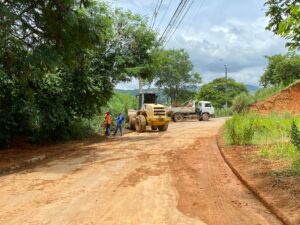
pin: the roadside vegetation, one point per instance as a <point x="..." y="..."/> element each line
<point x="86" y="127"/>
<point x="277" y="136"/>
<point x="60" y="64"/>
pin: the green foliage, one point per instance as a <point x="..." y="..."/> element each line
<point x="60" y="61"/>
<point x="174" y="73"/>
<point x="223" y="112"/>
<point x="296" y="166"/>
<point x="84" y="128"/>
<point x="7" y="96"/>
<point x="239" y="132"/>
<point x="272" y="132"/>
<point x="215" y="91"/>
<point x="284" y="150"/>
<point x="264" y="93"/>
<point x="285" y="20"/>
<point x="120" y="103"/>
<point x="241" y="102"/>
<point x="281" y="69"/>
<point x="295" y="136"/>
<point x="267" y="129"/>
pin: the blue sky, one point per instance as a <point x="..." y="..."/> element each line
<point x="232" y="30"/>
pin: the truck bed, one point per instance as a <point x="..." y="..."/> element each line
<point x="182" y="110"/>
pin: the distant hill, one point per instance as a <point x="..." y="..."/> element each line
<point x="251" y="88"/>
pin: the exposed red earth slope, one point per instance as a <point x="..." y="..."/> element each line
<point x="287" y="100"/>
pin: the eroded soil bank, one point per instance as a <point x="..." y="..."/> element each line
<point x="268" y="178"/>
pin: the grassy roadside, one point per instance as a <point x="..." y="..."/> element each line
<point x="272" y="134"/>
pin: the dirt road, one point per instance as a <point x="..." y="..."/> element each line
<point x="176" y="177"/>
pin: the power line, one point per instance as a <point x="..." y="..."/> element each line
<point x="176" y="15"/>
<point x="182" y="18"/>
<point x="166" y="11"/>
<point x="172" y="19"/>
<point x="156" y="10"/>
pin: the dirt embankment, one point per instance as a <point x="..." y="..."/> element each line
<point x="287" y="100"/>
<point x="268" y="179"/>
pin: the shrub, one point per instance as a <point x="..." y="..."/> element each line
<point x="295" y="136"/>
<point x="241" y="102"/>
<point x="238" y="131"/>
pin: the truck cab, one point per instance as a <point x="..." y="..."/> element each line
<point x="204" y="109"/>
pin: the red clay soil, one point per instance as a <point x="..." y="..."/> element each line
<point x="288" y="100"/>
<point x="21" y="153"/>
<point x="265" y="177"/>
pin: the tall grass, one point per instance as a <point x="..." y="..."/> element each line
<point x="264" y="93"/>
<point x="266" y="129"/>
<point x="223" y="112"/>
<point x="273" y="133"/>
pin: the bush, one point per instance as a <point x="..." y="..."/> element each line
<point x="295" y="136"/>
<point x="238" y="131"/>
<point x="6" y="109"/>
<point x="241" y="102"/>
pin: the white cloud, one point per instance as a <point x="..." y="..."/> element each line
<point x="230" y="30"/>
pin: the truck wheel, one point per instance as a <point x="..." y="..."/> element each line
<point x="205" y="117"/>
<point x="163" y="127"/>
<point x="178" y="117"/>
<point x="131" y="123"/>
<point x="153" y="127"/>
<point x="140" y="124"/>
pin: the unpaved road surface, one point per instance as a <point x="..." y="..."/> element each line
<point x="176" y="177"/>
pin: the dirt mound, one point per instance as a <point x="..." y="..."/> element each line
<point x="286" y="101"/>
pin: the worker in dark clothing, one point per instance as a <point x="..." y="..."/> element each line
<point x="120" y="120"/>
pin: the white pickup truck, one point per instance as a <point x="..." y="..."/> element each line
<point x="202" y="110"/>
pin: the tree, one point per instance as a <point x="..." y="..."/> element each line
<point x="285" y="20"/>
<point x="281" y="69"/>
<point x="215" y="91"/>
<point x="60" y="60"/>
<point x="174" y="73"/>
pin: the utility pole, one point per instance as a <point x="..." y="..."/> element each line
<point x="226" y="88"/>
<point x="141" y="93"/>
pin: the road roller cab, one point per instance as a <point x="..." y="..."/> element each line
<point x="149" y="114"/>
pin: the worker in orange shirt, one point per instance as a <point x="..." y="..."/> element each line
<point x="107" y="122"/>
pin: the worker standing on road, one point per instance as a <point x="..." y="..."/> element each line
<point x="120" y="120"/>
<point x="107" y="122"/>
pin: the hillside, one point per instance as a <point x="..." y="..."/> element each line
<point x="287" y="100"/>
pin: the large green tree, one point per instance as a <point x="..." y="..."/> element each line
<point x="60" y="60"/>
<point x="216" y="90"/>
<point x="174" y="74"/>
<point x="285" y="20"/>
<point x="281" y="69"/>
